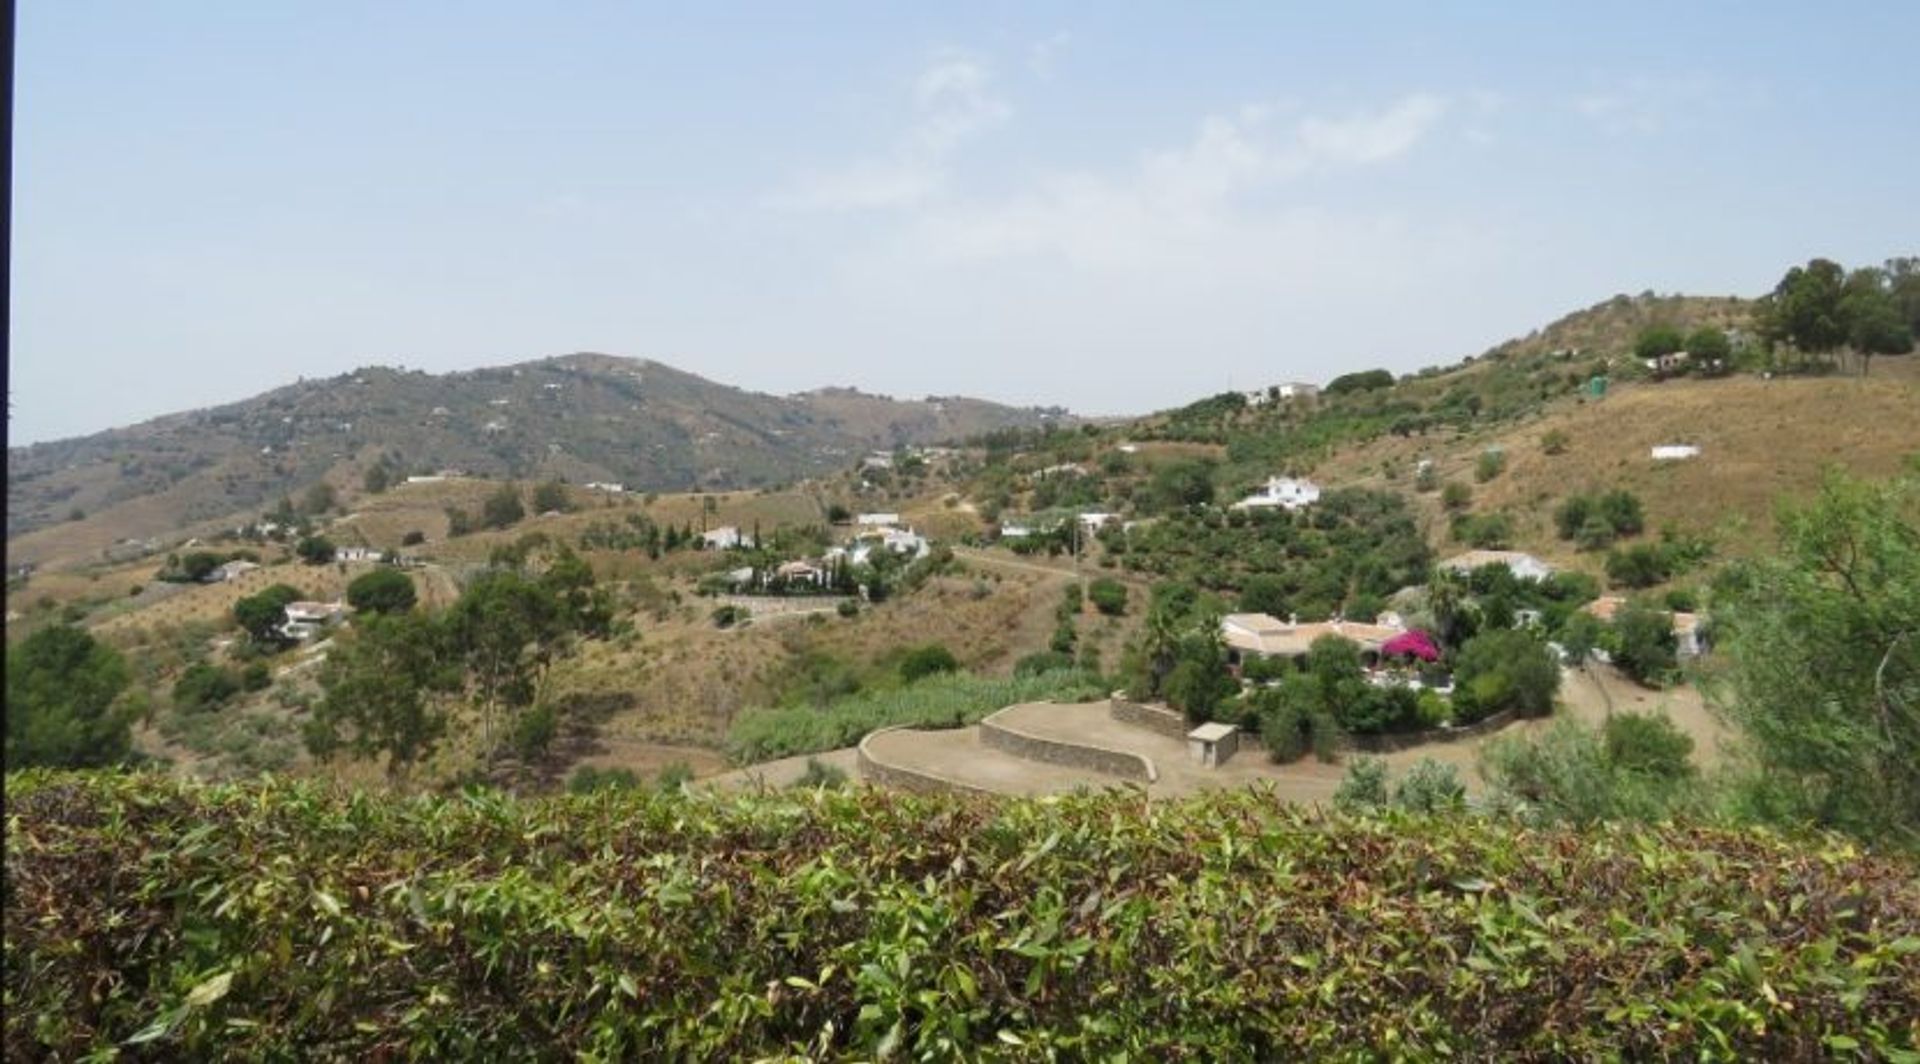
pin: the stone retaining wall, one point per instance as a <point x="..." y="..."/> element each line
<point x="1393" y="742"/>
<point x="1010" y="740"/>
<point x="900" y="778"/>
<point x="1157" y="719"/>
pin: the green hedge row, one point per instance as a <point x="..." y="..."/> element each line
<point x="279" y="920"/>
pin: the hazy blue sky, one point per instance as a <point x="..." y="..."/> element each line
<point x="1115" y="207"/>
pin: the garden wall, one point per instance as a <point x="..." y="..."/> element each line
<point x="1059" y="752"/>
<point x="1157" y="719"/>
<point x="1395" y="741"/>
<point x="899" y="778"/>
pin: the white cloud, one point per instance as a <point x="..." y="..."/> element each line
<point x="1175" y="197"/>
<point x="1646" y="104"/>
<point x="1203" y="260"/>
<point x="1041" y="54"/>
<point x="954" y="102"/>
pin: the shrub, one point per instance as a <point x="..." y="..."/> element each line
<point x="1629" y="771"/>
<point x="315" y="550"/>
<point x="1621" y="509"/>
<point x="1042" y="662"/>
<point x="1283" y="728"/>
<point x="1595" y="520"/>
<point x="1594" y="533"/>
<point x="62" y="701"/>
<point x="413" y="538"/>
<point x="1363" y="381"/>
<point x="1501" y="670"/>
<point x="1108" y="595"/>
<point x="549" y="496"/>
<point x="586" y="779"/>
<point x="1263" y="593"/>
<point x="533" y="733"/>
<point x="820" y="775"/>
<point x="728" y="616"/>
<point x="203" y="687"/>
<point x="1426" y="478"/>
<point x="1638" y="566"/>
<point x="1572" y="513"/>
<point x="256" y="677"/>
<point x="847" y="608"/>
<point x="1644" y="645"/>
<point x="1648" y="744"/>
<point x="1554" y="442"/>
<point x="922" y="662"/>
<point x="1483" y="531"/>
<point x="381" y="591"/>
<point x="1455" y="495"/>
<point x="673" y="777"/>
<point x="1490" y="464"/>
<point x="1365" y="786"/>
<point x="1431" y="787"/>
<point x="1325" y="735"/>
<point x="502" y="508"/>
<point x="1261" y="669"/>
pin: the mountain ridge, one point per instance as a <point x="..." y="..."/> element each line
<point x="583" y="416"/>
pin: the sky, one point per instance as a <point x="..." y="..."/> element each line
<point x="1111" y="207"/>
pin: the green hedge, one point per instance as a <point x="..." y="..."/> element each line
<point x="281" y="920"/>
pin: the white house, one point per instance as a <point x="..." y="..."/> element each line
<point x="802" y="572"/>
<point x="1675" y="452"/>
<point x="1296" y="390"/>
<point x="1012" y="531"/>
<point x="1686" y="626"/>
<point x="358" y="554"/>
<point x="1285" y="492"/>
<point x="1525" y="566"/>
<point x="1263" y="635"/>
<point x="609" y="488"/>
<point x="877" y="461"/>
<point x="898" y="540"/>
<point x="1066" y="469"/>
<point x="232" y="570"/>
<point x="877" y="520"/>
<point x="725" y="537"/>
<point x="1094" y="521"/>
<point x="305" y="619"/>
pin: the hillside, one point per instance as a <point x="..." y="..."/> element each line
<point x="1761" y="441"/>
<point x="1613" y="324"/>
<point x="578" y="417"/>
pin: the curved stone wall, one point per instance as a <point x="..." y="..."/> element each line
<point x="1004" y="737"/>
<point x="876" y="770"/>
<point x="1157" y="719"/>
